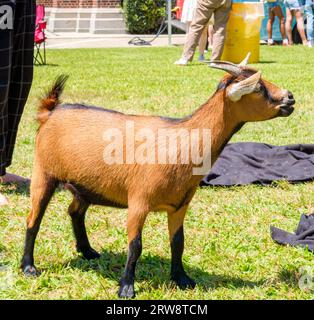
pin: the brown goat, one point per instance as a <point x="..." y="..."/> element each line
<point x="70" y="149"/>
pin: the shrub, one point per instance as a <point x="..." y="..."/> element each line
<point x="143" y="16"/>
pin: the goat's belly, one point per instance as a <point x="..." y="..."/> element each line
<point x="93" y="197"/>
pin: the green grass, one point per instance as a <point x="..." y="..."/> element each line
<point x="228" y="249"/>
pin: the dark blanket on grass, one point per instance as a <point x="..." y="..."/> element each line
<point x="247" y="162"/>
<point x="303" y="237"/>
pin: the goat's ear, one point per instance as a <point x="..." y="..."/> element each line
<point x="247" y="86"/>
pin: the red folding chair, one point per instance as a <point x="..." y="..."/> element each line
<point x="40" y="37"/>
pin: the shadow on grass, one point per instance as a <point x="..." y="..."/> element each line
<point x="16" y="189"/>
<point x="266" y="62"/>
<point x="46" y="65"/>
<point x="289" y="276"/>
<point x="23" y="189"/>
<point x="155" y="270"/>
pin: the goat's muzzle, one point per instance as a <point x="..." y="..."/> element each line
<point x="286" y="108"/>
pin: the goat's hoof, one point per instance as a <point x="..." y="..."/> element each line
<point x="90" y="254"/>
<point x="126" y="291"/>
<point x="30" y="271"/>
<point x="183" y="281"/>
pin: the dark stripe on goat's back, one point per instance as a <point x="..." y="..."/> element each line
<point x="175" y="120"/>
<point x="99" y="109"/>
<point x="86" y="107"/>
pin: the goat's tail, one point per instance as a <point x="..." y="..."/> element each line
<point x="52" y="99"/>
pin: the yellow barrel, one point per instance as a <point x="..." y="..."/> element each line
<point x="243" y="32"/>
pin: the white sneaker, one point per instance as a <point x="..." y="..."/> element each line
<point x="310" y="43"/>
<point x="285" y="42"/>
<point x="181" y="62"/>
<point x="270" y="42"/>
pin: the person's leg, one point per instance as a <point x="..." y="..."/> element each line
<point x="202" y="15"/>
<point x="300" y="25"/>
<point x="289" y="18"/>
<point x="6" y="49"/>
<point x="221" y="18"/>
<point x="21" y="71"/>
<point x="310" y="23"/>
<point x="278" y="12"/>
<point x="202" y="44"/>
<point x="188" y="25"/>
<point x="210" y="35"/>
<point x="270" y="23"/>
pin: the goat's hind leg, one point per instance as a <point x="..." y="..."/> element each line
<point x="42" y="189"/>
<point x="77" y="211"/>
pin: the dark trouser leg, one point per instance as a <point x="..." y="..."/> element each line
<point x="175" y="225"/>
<point x="21" y="70"/>
<point x="77" y="211"/>
<point x="6" y="49"/>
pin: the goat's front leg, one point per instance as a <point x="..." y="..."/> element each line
<point x="175" y="225"/>
<point x="134" y="225"/>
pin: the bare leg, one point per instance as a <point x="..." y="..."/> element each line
<point x="300" y="26"/>
<point x="289" y="18"/>
<point x="279" y="14"/>
<point x="270" y="23"/>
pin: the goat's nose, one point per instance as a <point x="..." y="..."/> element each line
<point x="290" y="95"/>
<point x="289" y="98"/>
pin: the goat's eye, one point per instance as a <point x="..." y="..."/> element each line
<point x="258" y="88"/>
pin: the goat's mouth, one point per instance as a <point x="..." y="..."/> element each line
<point x="285" y="110"/>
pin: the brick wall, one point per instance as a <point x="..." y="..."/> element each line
<point x="80" y="3"/>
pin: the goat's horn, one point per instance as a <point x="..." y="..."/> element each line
<point x="244" y="87"/>
<point x="245" y="61"/>
<point x="231" y="68"/>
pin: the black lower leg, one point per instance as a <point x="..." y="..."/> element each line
<point x="27" y="264"/>
<point x="77" y="212"/>
<point x="177" y="271"/>
<point x="127" y="282"/>
<point x="42" y="189"/>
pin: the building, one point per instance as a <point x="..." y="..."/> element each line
<point x="89" y="16"/>
<point x="80" y="3"/>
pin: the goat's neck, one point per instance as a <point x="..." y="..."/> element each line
<point x="216" y="116"/>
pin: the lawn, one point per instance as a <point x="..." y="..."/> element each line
<point x="228" y="249"/>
